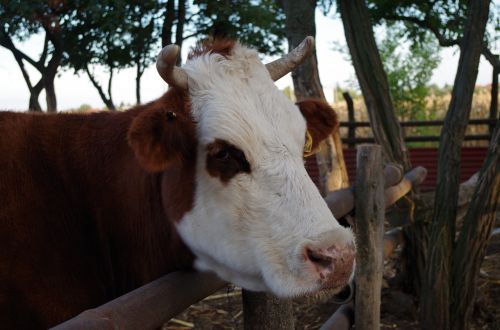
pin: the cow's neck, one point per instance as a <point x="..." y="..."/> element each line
<point x="137" y="237"/>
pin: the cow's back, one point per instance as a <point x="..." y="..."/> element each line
<point x="80" y="222"/>
<point x="48" y="245"/>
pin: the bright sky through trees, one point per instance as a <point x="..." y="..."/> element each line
<point x="73" y="91"/>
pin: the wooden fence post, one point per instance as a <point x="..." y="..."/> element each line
<point x="494" y="99"/>
<point x="263" y="311"/>
<point x="351" y="133"/>
<point x="370" y="207"/>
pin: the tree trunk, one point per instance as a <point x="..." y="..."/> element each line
<point x="300" y="23"/>
<point x="34" y="104"/>
<point x="435" y="293"/>
<point x="168" y="23"/>
<point x="474" y="236"/>
<point x="179" y="31"/>
<point x="494" y="97"/>
<point x="373" y="80"/>
<point x="50" y="95"/>
<point x="138" y="74"/>
<point x="351" y="135"/>
<point x="48" y="72"/>
<point x="107" y="100"/>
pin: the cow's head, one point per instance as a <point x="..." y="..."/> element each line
<point x="255" y="217"/>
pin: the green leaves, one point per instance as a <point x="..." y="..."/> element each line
<point x="115" y="34"/>
<point x="409" y="69"/>
<point x="259" y="23"/>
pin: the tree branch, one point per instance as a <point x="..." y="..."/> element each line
<point x="492" y="58"/>
<point x="443" y="41"/>
<point x="43" y="56"/>
<point x="6" y="42"/>
<point x="19" y="61"/>
<point x="94" y="82"/>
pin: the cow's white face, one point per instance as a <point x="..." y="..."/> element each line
<point x="257" y="218"/>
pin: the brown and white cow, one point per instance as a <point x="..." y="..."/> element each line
<point x="211" y="174"/>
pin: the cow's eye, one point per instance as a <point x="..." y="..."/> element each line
<point x="225" y="160"/>
<point x="223" y="154"/>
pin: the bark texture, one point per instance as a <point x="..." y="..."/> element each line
<point x="263" y="311"/>
<point x="370" y="210"/>
<point x="435" y="293"/>
<point x="373" y="80"/>
<point x="494" y="96"/>
<point x="474" y="236"/>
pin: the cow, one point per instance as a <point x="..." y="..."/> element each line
<point x="210" y="176"/>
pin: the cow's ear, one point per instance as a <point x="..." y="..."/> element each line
<point x="161" y="137"/>
<point x="321" y="120"/>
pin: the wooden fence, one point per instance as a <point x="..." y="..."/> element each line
<point x="351" y="140"/>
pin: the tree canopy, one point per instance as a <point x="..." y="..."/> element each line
<point x="409" y="70"/>
<point x="86" y="35"/>
<point x="445" y="19"/>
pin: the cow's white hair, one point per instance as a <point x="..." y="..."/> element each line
<point x="252" y="230"/>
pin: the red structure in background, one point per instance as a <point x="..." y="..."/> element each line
<point x="471" y="160"/>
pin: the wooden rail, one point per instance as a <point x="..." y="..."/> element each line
<point x="149" y="306"/>
<point x="351" y="140"/>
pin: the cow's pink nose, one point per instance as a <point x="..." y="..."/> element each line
<point x="333" y="264"/>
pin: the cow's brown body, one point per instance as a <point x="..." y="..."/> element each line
<point x="80" y="221"/>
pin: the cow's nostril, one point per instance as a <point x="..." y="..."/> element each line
<point x="319" y="259"/>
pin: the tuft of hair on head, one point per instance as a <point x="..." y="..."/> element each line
<point x="220" y="45"/>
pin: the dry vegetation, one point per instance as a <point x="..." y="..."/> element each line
<point x="437" y="105"/>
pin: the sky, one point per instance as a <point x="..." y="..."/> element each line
<point x="73" y="90"/>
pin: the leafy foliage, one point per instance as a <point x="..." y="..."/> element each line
<point x="20" y="19"/>
<point x="445" y="19"/>
<point x="409" y="70"/>
<point x="260" y="23"/>
<point x="111" y="33"/>
<point x="116" y="34"/>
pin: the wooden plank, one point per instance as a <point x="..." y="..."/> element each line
<point x="415" y="123"/>
<point x="422" y="138"/>
<point x="149" y="306"/>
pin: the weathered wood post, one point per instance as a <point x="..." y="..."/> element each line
<point x="494" y="99"/>
<point x="351" y="133"/>
<point x="370" y="207"/>
<point x="263" y="311"/>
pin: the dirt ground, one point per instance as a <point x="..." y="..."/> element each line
<point x="223" y="310"/>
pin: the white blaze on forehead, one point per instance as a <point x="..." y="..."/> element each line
<point x="234" y="99"/>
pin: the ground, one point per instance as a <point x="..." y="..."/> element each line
<point x="223" y="310"/>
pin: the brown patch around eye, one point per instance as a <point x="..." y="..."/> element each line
<point x="224" y="160"/>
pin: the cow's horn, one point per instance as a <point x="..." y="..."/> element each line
<point x="165" y="64"/>
<point x="287" y="63"/>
